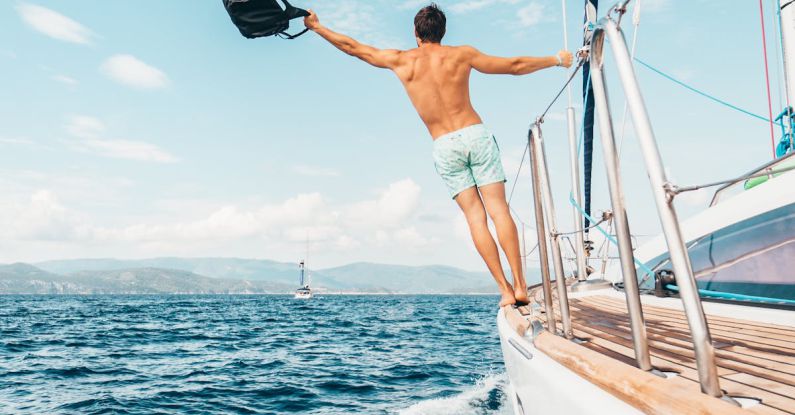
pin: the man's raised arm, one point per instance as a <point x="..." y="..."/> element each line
<point x="521" y="65"/>
<point x="381" y="58"/>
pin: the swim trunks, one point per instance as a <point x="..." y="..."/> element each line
<point x="468" y="157"/>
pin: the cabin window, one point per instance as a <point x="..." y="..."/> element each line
<point x="752" y="257"/>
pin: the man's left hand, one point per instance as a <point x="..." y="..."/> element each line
<point x="311" y="22"/>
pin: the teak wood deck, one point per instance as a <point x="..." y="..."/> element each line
<point x="755" y="360"/>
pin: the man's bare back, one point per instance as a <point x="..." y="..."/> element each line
<point x="436" y="79"/>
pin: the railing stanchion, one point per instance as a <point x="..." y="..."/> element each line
<point x="540" y="167"/>
<point x="638" y="326"/>
<point x="680" y="260"/>
<point x="541" y="233"/>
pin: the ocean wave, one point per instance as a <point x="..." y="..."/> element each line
<point x="486" y="397"/>
<point x="219" y="355"/>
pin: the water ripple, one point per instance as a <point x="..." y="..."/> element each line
<point x="250" y="354"/>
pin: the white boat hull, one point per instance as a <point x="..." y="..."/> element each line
<point x="541" y="385"/>
<point x="302" y="295"/>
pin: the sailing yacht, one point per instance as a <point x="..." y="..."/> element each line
<point x="699" y="320"/>
<point x="304" y="292"/>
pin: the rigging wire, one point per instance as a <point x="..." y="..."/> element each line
<point x="675" y="190"/>
<point x="702" y="93"/>
<point x="767" y="80"/>
<point x="513" y="187"/>
<point x="568" y="81"/>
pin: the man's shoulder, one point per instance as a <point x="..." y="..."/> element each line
<point x="464" y="50"/>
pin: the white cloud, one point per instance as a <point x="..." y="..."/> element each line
<point x="64" y="79"/>
<point x="411" y="238"/>
<point x="334" y="226"/>
<point x="413" y="4"/>
<point x="473" y="5"/>
<point x="23" y="142"/>
<point x="315" y="171"/>
<point x="531" y="15"/>
<point x="85" y="127"/>
<point x="127" y="149"/>
<point x="129" y="70"/>
<point x="54" y="24"/>
<point x="88" y="135"/>
<point x="654" y="6"/>
<point x="394" y="205"/>
<point x="41" y="217"/>
<point x="359" y="20"/>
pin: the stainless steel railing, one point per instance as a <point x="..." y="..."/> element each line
<point x="608" y="28"/>
<point x="542" y="190"/>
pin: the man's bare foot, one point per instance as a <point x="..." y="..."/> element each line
<point x="521" y="296"/>
<point x="507" y="299"/>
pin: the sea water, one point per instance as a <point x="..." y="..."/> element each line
<point x="251" y="354"/>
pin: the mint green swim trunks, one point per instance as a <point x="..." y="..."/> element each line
<point x="468" y="157"/>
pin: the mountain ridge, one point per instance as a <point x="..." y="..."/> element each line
<point x="224" y="275"/>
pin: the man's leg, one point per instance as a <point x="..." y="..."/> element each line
<point x="470" y="203"/>
<point x="497" y="207"/>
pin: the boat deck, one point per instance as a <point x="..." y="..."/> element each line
<point x="755" y="360"/>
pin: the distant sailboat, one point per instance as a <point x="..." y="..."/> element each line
<point x="304" y="292"/>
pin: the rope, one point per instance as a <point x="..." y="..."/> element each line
<point x="582" y="211"/>
<point x="737" y="297"/>
<point x="702" y="93"/>
<point x="612" y="239"/>
<point x="767" y="80"/>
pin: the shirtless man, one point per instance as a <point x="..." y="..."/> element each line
<point x="466" y="155"/>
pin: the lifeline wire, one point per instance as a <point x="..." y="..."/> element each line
<point x="675" y="190"/>
<point x="702" y="93"/>
<point x="554" y="100"/>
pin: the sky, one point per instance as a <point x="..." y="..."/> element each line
<point x="136" y="129"/>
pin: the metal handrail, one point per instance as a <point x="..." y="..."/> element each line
<point x="539" y="162"/>
<point x="680" y="259"/>
<point x="769" y="166"/>
<point x="640" y="340"/>
<point x="541" y="233"/>
<point x="607" y="28"/>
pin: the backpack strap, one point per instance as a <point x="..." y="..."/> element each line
<point x="292" y="12"/>
<point x="285" y="35"/>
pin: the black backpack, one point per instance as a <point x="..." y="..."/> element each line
<point x="260" y="18"/>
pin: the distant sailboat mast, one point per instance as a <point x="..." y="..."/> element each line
<point x="306" y="259"/>
<point x="301" y="266"/>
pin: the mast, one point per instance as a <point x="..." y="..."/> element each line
<point x="786" y="23"/>
<point x="588" y="108"/>
<point x="574" y="166"/>
<point x="306" y="259"/>
<point x="301" y="267"/>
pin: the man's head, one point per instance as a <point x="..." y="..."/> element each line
<point x="430" y="24"/>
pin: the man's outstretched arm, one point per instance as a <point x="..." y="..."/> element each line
<point x="381" y="58"/>
<point x="521" y="65"/>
